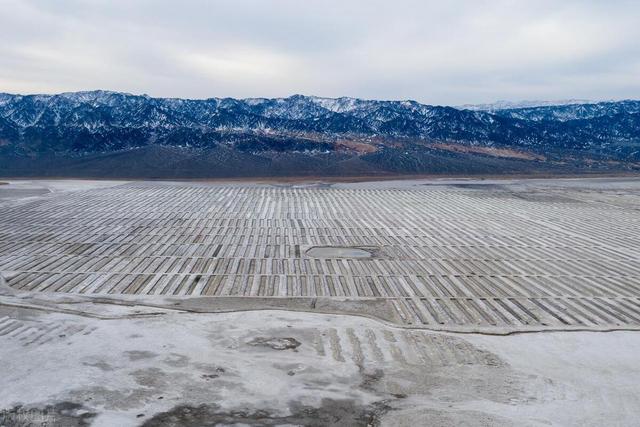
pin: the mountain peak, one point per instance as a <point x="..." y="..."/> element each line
<point x="509" y="105"/>
<point x="103" y="121"/>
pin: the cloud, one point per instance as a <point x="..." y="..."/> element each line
<point x="450" y="52"/>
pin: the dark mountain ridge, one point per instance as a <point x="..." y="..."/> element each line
<point x="288" y="136"/>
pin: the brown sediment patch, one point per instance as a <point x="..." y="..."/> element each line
<point x="357" y="146"/>
<point x="489" y="151"/>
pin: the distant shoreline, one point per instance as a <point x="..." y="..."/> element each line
<point x="338" y="179"/>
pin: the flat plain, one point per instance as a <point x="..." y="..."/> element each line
<point x="389" y="278"/>
<point x="458" y="256"/>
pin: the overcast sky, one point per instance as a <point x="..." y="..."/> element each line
<point x="436" y="52"/>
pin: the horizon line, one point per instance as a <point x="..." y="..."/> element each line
<point x="549" y="102"/>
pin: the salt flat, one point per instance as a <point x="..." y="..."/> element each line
<point x="393" y="303"/>
<point x="462" y="256"/>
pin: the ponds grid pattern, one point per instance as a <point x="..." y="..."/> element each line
<point x="443" y="256"/>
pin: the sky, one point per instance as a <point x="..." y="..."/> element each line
<point x="446" y="52"/>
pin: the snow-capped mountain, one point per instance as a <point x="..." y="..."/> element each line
<point x="88" y="123"/>
<point x="510" y="105"/>
<point x="572" y="111"/>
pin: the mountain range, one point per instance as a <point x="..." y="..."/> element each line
<point x="109" y="134"/>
